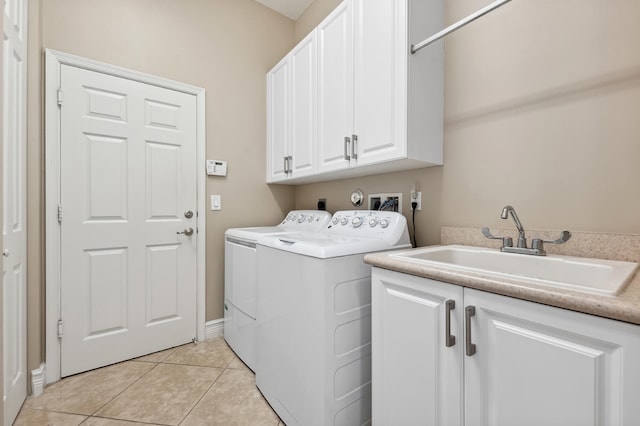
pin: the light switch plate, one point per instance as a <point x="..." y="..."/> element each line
<point x="216" y="202"/>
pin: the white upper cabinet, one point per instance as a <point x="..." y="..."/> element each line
<point x="278" y="121"/>
<point x="292" y="113"/>
<point x="335" y="88"/>
<point x="380" y="81"/>
<point x="379" y="108"/>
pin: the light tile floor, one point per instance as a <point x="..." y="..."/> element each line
<point x="196" y="384"/>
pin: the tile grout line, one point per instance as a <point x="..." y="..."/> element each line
<point x="122" y="391"/>
<point x="207" y="390"/>
<point x="88" y="416"/>
<point x="93" y="415"/>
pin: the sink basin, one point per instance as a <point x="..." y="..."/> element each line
<point x="576" y="273"/>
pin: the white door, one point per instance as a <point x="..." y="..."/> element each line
<point x="14" y="270"/>
<point x="128" y="183"/>
<point x="538" y="365"/>
<point x="335" y="88"/>
<point x="278" y="121"/>
<point x="380" y="80"/>
<point x="304" y="97"/>
<point x="418" y="364"/>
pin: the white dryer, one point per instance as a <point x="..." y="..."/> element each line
<point x="240" y="277"/>
<point x="314" y="317"/>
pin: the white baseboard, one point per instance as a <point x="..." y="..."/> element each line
<point x="214" y="328"/>
<point x="37" y="380"/>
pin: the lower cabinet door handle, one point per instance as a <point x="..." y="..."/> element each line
<point x="469" y="311"/>
<point x="450" y="340"/>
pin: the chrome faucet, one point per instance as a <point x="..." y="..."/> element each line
<point x="522" y="240"/>
<point x="537" y="245"/>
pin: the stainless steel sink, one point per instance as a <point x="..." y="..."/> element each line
<point x="583" y="274"/>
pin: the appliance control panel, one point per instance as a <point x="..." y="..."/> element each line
<point x="306" y="220"/>
<point x="367" y="223"/>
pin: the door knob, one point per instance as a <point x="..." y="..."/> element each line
<point x="187" y="231"/>
<point x="5" y="252"/>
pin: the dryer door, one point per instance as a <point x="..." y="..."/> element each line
<point x="240" y="274"/>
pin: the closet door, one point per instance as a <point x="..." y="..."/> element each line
<point x="14" y="229"/>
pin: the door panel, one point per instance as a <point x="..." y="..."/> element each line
<point x="531" y="356"/>
<point x="14" y="270"/>
<point x="127" y="176"/>
<point x="278" y="121"/>
<point x="335" y="87"/>
<point x="421" y="376"/>
<point x="380" y="86"/>
<point x="304" y="99"/>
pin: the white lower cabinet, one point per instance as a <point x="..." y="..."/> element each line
<point x="533" y="364"/>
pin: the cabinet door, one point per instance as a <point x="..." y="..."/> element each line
<point x="539" y="365"/>
<point x="304" y="96"/>
<point x="380" y="80"/>
<point x="416" y="377"/>
<point x="335" y="88"/>
<point x="278" y="127"/>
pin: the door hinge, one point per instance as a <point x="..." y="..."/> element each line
<point x="59" y="213"/>
<point x="59" y="96"/>
<point x="59" y="329"/>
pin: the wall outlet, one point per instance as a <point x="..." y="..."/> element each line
<point x="416" y="197"/>
<point x="389" y="201"/>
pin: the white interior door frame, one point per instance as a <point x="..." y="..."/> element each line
<point x="53" y="61"/>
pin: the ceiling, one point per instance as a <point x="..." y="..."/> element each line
<point x="289" y="8"/>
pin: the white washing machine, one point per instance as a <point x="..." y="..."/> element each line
<point x="240" y="277"/>
<point x="314" y="317"/>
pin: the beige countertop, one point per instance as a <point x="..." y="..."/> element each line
<point x="624" y="307"/>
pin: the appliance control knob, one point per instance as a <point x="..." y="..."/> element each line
<point x="373" y="222"/>
<point x="335" y="220"/>
<point x="292" y="218"/>
<point x="344" y="221"/>
<point x="384" y="223"/>
<point x="310" y="219"/>
<point x="356" y="221"/>
<point x="301" y="218"/>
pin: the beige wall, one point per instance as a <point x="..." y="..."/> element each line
<point x="542" y="107"/>
<point x="35" y="196"/>
<point x="224" y="46"/>
<point x="311" y="17"/>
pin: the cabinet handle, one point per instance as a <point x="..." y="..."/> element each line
<point x="449" y="306"/>
<point x="469" y="311"/>
<point x="354" y="147"/>
<point x="287" y="164"/>
<point x="347" y="142"/>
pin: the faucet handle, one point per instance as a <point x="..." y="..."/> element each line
<point x="538" y="243"/>
<point x="506" y="241"/>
